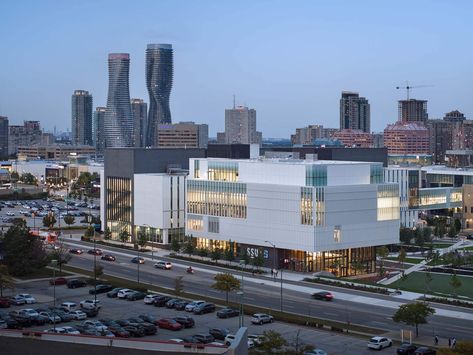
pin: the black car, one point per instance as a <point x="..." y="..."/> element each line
<point x="100" y="288"/>
<point x="172" y="302"/>
<point x="227" y="313"/>
<point x="219" y="333"/>
<point x="161" y="301"/>
<point x="204" y="308"/>
<point x="149" y="318"/>
<point x="150" y="329"/>
<point x="91" y="312"/>
<point x="74" y="283"/>
<point x="108" y="257"/>
<point x="137" y="295"/>
<point x="95" y="251"/>
<point x="138" y="260"/>
<point x="186" y="321"/>
<point x="76" y="251"/>
<point x="136" y="332"/>
<point x="406" y="349"/>
<point x="23" y="321"/>
<point x="65" y="317"/>
<point x="425" y="351"/>
<point x="322" y="295"/>
<point x="10" y="321"/>
<point x="204" y="338"/>
<point x="39" y="320"/>
<point x="181" y="305"/>
<point x="113" y="293"/>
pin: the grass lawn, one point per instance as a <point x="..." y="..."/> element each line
<point x="42" y="273"/>
<point x="467" y="248"/>
<point x="407" y="260"/>
<point x="440" y="284"/>
<point x="441" y="245"/>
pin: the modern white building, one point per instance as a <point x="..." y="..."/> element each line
<point x="302" y="215"/>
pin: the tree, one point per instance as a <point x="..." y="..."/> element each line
<point x="405" y="235"/>
<point x="98" y="271"/>
<point x="441" y="229"/>
<point x="298" y="346"/>
<point x="226" y="282"/>
<point x="203" y="252"/>
<point x="89" y="232"/>
<point x="61" y="255"/>
<point x="29" y="179"/>
<point x="178" y="286"/>
<point x="427" y="234"/>
<point x="455" y="282"/>
<point x="258" y="261"/>
<point x="175" y="245"/>
<point x="452" y="231"/>
<point x="272" y="342"/>
<point x="69" y="220"/>
<point x="216" y="254"/>
<point x="383" y="253"/>
<point x="142" y="239"/>
<point x="124" y="236"/>
<point x="6" y="281"/>
<point x="413" y="314"/>
<point x="24" y="253"/>
<point x="107" y="235"/>
<point x="228" y="254"/>
<point x="49" y="220"/>
<point x="428" y="280"/>
<point x="189" y="246"/>
<point x="462" y="348"/>
<point x="458" y="225"/>
<point x="402" y="256"/>
<point x="14" y="176"/>
<point x="358" y="266"/>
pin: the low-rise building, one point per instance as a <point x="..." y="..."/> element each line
<point x="55" y="151"/>
<point x="183" y="135"/>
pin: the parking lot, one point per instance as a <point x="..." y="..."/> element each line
<point x="113" y="308"/>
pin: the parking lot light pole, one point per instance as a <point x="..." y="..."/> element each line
<point x="281" y="289"/>
<point x="54" y="263"/>
<point x="95" y="272"/>
<point x="274" y="253"/>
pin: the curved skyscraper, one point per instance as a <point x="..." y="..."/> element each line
<point x="118" y="119"/>
<point x="159" y="73"/>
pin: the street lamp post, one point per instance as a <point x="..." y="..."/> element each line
<point x="274" y="253"/>
<point x="281" y="289"/>
<point x="54" y="263"/>
<point x="95" y="272"/>
<point x="281" y="270"/>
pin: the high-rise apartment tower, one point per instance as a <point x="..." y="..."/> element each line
<point x="81" y="123"/>
<point x="413" y="110"/>
<point x="159" y="75"/>
<point x="354" y="112"/>
<point x="139" y="109"/>
<point x="118" y="120"/>
<point x="98" y="129"/>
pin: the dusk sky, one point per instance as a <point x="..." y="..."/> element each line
<point x="289" y="60"/>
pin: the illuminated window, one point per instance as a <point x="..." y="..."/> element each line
<point x="337" y="234"/>
<point x="388" y="202"/>
<point x="195" y="223"/>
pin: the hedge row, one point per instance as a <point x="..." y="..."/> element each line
<point x="351" y="286"/>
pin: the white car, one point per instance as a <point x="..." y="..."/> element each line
<point x="51" y="317"/>
<point x="58" y="330"/>
<point x="260" y="318"/>
<point x="78" y="315"/>
<point x="124" y="292"/>
<point x="166" y="265"/>
<point x="256" y="338"/>
<point x="90" y="304"/>
<point x="379" y="343"/>
<point x="315" y="352"/>
<point x="149" y="299"/>
<point x="27" y="297"/>
<point x="10" y="214"/>
<point x="28" y="312"/>
<point x="69" y="306"/>
<point x="71" y="330"/>
<point x="231" y="337"/>
<point x="96" y="324"/>
<point x="190" y="307"/>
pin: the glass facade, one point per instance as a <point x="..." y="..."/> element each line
<point x="376" y="174"/>
<point x="195" y="223"/>
<point x="214" y="225"/>
<point x="153" y="235"/>
<point x="307" y="205"/>
<point x="223" y="171"/>
<point x="223" y="199"/>
<point x="316" y="175"/>
<point x="119" y="205"/>
<point x="320" y="206"/>
<point x="438" y="198"/>
<point x="388" y="202"/>
<point x="196" y="169"/>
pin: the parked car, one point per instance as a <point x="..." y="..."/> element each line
<point x="379" y="343"/>
<point x="322" y="295"/>
<point x="95" y="324"/>
<point x="119" y="332"/>
<point x="186" y="321"/>
<point x="261" y="318"/>
<point x="227" y="313"/>
<point x="190" y="307"/>
<point x="204" y="308"/>
<point x="28" y="312"/>
<point x="168" y="323"/>
<point x="315" y="352"/>
<point x="27" y="297"/>
<point x="124" y="292"/>
<point x="39" y="320"/>
<point x="4" y="302"/>
<point x="136" y="332"/>
<point x="17" y="301"/>
<point x="138" y="260"/>
<point x="114" y="293"/>
<point x="219" y="333"/>
<point x="425" y="351"/>
<point x="76" y="251"/>
<point x="135" y="295"/>
<point x="257" y="339"/>
<point x="71" y="330"/>
<point x="58" y="281"/>
<point x="181" y="305"/>
<point x="78" y="315"/>
<point x="100" y="288"/>
<point x="58" y="330"/>
<point x="74" y="283"/>
<point x="172" y="302"/>
<point x="150" y="328"/>
<point x="204" y="338"/>
<point x="161" y="301"/>
<point x="95" y="251"/>
<point x="90" y="304"/>
<point x="149" y="299"/>
<point x="65" y="317"/>
<point x="149" y="318"/>
<point x="52" y="317"/>
<point x="108" y="257"/>
<point x="166" y="265"/>
<point x="69" y="306"/>
<point x="406" y="349"/>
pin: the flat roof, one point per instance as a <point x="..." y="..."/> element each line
<point x="290" y="161"/>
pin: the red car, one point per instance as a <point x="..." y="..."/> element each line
<point x="170" y="324"/>
<point x="4" y="302"/>
<point x="322" y="295"/>
<point x="58" y="281"/>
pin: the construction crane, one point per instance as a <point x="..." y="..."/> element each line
<point x="408" y="87"/>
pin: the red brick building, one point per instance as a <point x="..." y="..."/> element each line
<point x="406" y="138"/>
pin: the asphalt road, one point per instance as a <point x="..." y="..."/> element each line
<point x="266" y="294"/>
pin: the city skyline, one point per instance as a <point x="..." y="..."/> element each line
<point x="209" y="67"/>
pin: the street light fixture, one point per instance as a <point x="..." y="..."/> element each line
<point x="281" y="270"/>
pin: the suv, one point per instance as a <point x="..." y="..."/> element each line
<point x="90" y="304"/>
<point x="379" y="343"/>
<point x="123" y="293"/>
<point x="204" y="308"/>
<point x="190" y="307"/>
<point x="69" y="306"/>
<point x="166" y="265"/>
<point x="74" y="283"/>
<point x="260" y="318"/>
<point x="204" y="338"/>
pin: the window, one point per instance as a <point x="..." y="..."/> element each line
<point x="195" y="223"/>
<point x="388" y="202"/>
<point x="316" y="175"/>
<point x="214" y="225"/>
<point x="306" y="206"/>
<point x="337" y="234"/>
